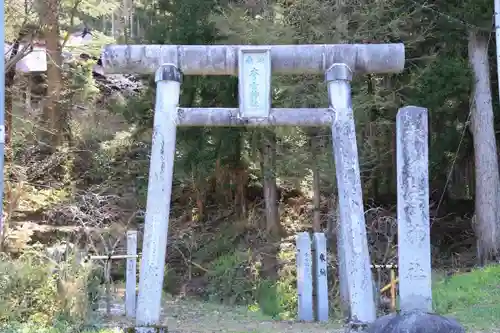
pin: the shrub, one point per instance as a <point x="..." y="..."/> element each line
<point x="39" y="291"/>
<point x="278" y="299"/>
<point x="234" y="279"/>
<point x="229" y="280"/>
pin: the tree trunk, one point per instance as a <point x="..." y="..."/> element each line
<point x="374" y="175"/>
<point x="315" y="151"/>
<point x="273" y="226"/>
<point x="485" y="149"/>
<point x="9" y="86"/>
<point x="52" y="118"/>
<point x="268" y="167"/>
<point x="240" y="176"/>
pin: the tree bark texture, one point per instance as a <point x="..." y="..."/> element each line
<point x="268" y="167"/>
<point x="53" y="121"/>
<point x="485" y="149"/>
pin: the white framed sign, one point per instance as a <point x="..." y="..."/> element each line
<point x="254" y="82"/>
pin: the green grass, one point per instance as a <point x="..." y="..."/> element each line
<point x="472" y="298"/>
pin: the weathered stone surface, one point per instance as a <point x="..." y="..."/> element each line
<point x="414" y="245"/>
<point x="320" y="278"/>
<point x="354" y="255"/>
<point x="161" y="168"/>
<point x="223" y="59"/>
<point x="131" y="275"/>
<point x="304" y="277"/>
<point x="415" y="322"/>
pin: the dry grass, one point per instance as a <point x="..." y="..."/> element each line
<point x="186" y="315"/>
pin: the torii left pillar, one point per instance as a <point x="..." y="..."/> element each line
<point x="168" y="83"/>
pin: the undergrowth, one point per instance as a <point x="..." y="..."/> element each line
<point x="60" y="327"/>
<point x="39" y="293"/>
<point x="235" y="278"/>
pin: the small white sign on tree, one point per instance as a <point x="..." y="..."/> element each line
<point x="34" y="61"/>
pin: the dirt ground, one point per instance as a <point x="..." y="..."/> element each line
<point x="192" y="316"/>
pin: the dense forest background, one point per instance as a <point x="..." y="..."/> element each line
<point x="78" y="141"/>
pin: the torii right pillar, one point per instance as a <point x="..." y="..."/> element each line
<point x="354" y="257"/>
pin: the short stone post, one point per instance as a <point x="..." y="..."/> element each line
<point x="168" y="81"/>
<point x="304" y="277"/>
<point x="414" y="250"/>
<point x="352" y="218"/>
<point x="131" y="274"/>
<point x="320" y="276"/>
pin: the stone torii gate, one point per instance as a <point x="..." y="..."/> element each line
<point x="253" y="65"/>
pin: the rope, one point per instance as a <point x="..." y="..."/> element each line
<point x="466" y="126"/>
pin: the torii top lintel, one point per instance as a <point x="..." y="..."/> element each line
<point x="223" y="59"/>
